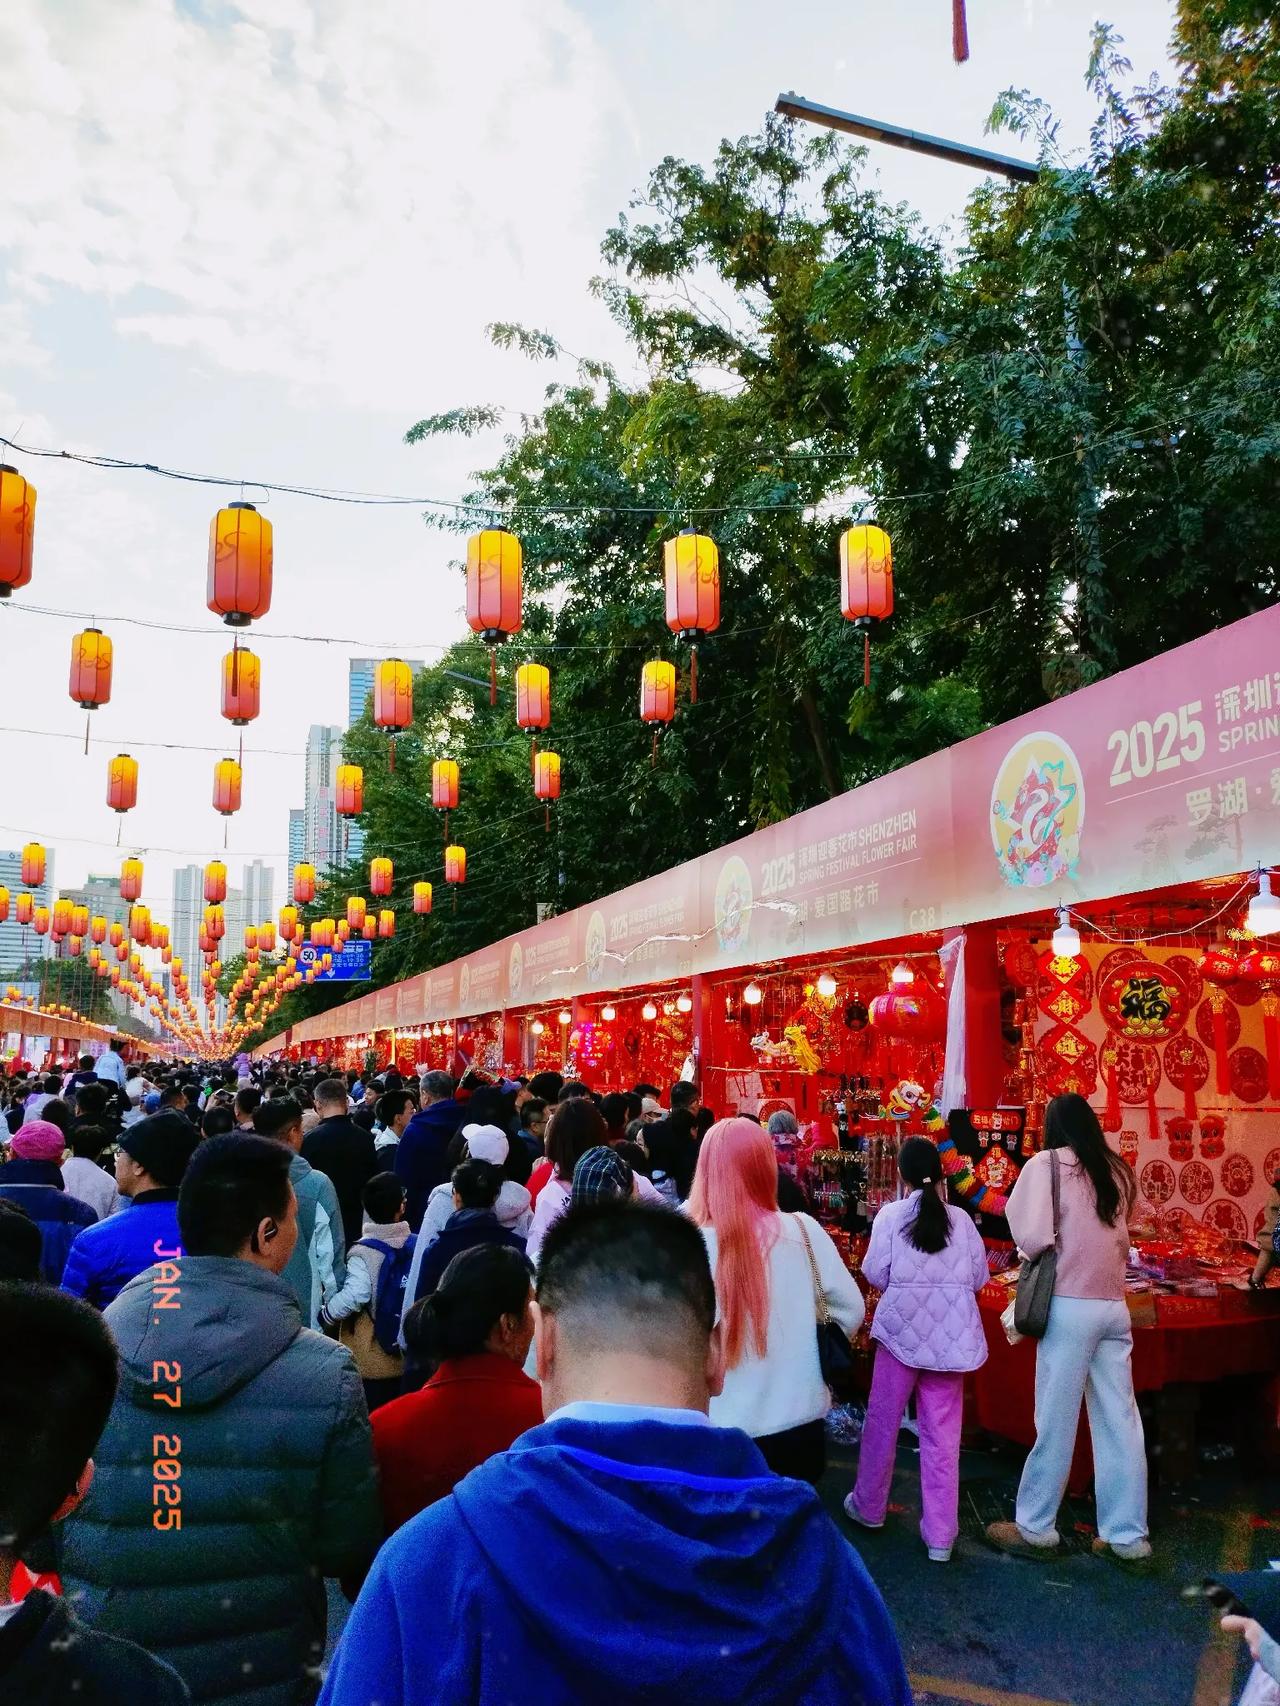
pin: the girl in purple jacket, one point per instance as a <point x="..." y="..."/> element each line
<point x="929" y="1262"/>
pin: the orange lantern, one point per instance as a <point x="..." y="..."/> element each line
<point x="61" y="917"/>
<point x="392" y="699"/>
<point x="122" y="953"/>
<point x="17" y="529"/>
<point x="131" y="879"/>
<point x="227" y="778"/>
<point x="4" y="905"/>
<point x="79" y="920"/>
<point x="215" y="882"/>
<point x="251" y="935"/>
<point x="355" y="912"/>
<point x="323" y="931"/>
<point x="122" y="783"/>
<point x="533" y="696"/>
<point x="422" y="897"/>
<point x="90" y="683"/>
<point x="657" y="697"/>
<point x="159" y="935"/>
<point x="349" y="788"/>
<point x="241" y="686"/>
<point x="369" y="929"/>
<point x="386" y="923"/>
<point x="444" y="784"/>
<point x="32" y="865"/>
<point x="140" y="924"/>
<point x="455" y="864"/>
<point x="546" y="780"/>
<point x="342" y="931"/>
<point x="74" y="945"/>
<point x="288" y="923"/>
<point x="240" y="557"/>
<point x="41" y="920"/>
<point x="381" y="874"/>
<point x="116" y="934"/>
<point x="866" y="583"/>
<point x="304" y="884"/>
<point x="25" y="908"/>
<point x="691" y="568"/>
<point x="98" y="930"/>
<point x="267" y="937"/>
<point x="495" y="592"/>
<point x="215" y="923"/>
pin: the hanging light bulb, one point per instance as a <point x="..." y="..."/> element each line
<point x="753" y="995"/>
<point x="684" y="1004"/>
<point x="827" y="986"/>
<point x="608" y="1014"/>
<point x="1066" y="938"/>
<point x="537" y="1027"/>
<point x="566" y="1017"/>
<point x="649" y="1011"/>
<point x="1263" y="918"/>
<point x="902" y="973"/>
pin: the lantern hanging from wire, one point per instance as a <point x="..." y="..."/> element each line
<point x="79" y="920"/>
<point x="444" y="784"/>
<point x="61" y="917"/>
<point x="392" y="699"/>
<point x="341" y="932"/>
<point x="533" y="701"/>
<point x="215" y="882"/>
<point x="98" y="930"/>
<point x="657" y="698"/>
<point x="122" y="786"/>
<point x="369" y="929"/>
<point x="349" y="790"/>
<point x="17" y="529"/>
<point x="131" y="880"/>
<point x="386" y="923"/>
<point x="33" y="862"/>
<point x="381" y="874"/>
<point x="304" y="884"/>
<point x="241" y="686"/>
<point x="422" y="898"/>
<point x="227" y="780"/>
<point x="495" y="592"/>
<point x="455" y="864"/>
<point x="215" y="923"/>
<point x="25" y="909"/>
<point x="288" y="923"/>
<point x="140" y="924"/>
<point x="866" y="583"/>
<point x="691" y="571"/>
<point x="355" y="912"/>
<point x="90" y="682"/>
<point x="240" y="565"/>
<point x="4" y="905"/>
<point x="546" y="780"/>
<point x="41" y="919"/>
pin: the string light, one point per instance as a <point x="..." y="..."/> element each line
<point x="827" y="986"/>
<point x="649" y="1011"/>
<point x="537" y="1027"/>
<point x="566" y="1018"/>
<point x="608" y="1014"/>
<point x="684" y="1003"/>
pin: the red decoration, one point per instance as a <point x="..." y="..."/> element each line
<point x="1186" y="1065"/>
<point x="241" y="686"/>
<point x="1143" y="1000"/>
<point x="866" y="583"/>
<point x="1157" y="1182"/>
<point x="1237" y="1175"/>
<point x="1228" y="1218"/>
<point x="1213" y="1137"/>
<point x="1195" y="1182"/>
<point x="1248" y="1075"/>
<point x="959" y="32"/>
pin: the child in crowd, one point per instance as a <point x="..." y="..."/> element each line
<point x="354" y="1307"/>
<point x="929" y="1262"/>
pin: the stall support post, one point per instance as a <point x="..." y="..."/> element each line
<point x="511" y="1051"/>
<point x="984" y="1050"/>
<point x="701" y="1016"/>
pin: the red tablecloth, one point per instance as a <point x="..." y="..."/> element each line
<point x="1191" y="1341"/>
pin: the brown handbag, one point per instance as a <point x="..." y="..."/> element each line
<point x="1037" y="1278"/>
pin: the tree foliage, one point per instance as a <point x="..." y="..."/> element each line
<point x="1068" y="421"/>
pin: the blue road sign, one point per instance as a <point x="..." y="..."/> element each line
<point x="352" y="964"/>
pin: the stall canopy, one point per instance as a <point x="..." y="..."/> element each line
<point x="1166" y="774"/>
<point x="26" y="1021"/>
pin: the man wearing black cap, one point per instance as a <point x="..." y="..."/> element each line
<point x="150" y="1162"/>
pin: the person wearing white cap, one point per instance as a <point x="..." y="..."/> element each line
<point x="514" y="1207"/>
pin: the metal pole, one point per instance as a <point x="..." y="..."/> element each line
<point x="915" y="141"/>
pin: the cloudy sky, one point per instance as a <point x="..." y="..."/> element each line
<point x="261" y="239"/>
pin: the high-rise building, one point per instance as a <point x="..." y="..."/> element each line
<point x="297" y="844"/>
<point x="184" y="923"/>
<point x="259" y="892"/>
<point x="323" y="841"/>
<point x="102" y="897"/>
<point x="19" y="942"/>
<point x="360" y="684"/>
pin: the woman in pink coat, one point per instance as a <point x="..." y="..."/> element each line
<point x="929" y="1261"/>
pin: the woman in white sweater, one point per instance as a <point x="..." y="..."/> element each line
<point x="767" y="1298"/>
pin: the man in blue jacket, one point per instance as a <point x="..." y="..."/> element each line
<point x="684" y="1570"/>
<point x="422" y="1158"/>
<point x="150" y="1163"/>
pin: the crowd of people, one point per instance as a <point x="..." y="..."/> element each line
<point x="544" y="1361"/>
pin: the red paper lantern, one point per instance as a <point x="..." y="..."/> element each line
<point x="455" y="864"/>
<point x="355" y="912"/>
<point x="380" y="876"/>
<point x="41" y="920"/>
<point x="866" y="583"/>
<point x="116" y="934"/>
<point x="215" y="923"/>
<point x="98" y="930"/>
<point x="140" y="924"/>
<point x="386" y="923"/>
<point x="691" y="569"/>
<point x="533" y="696"/>
<point x="33" y="862"/>
<point x="227" y="779"/>
<point x="215" y="882"/>
<point x="17" y="529"/>
<point x="4" y="905"/>
<point x="657" y="697"/>
<point x="130" y="880"/>
<point x="288" y="923"/>
<point x="421" y="897"/>
<point x="369" y="929"/>
<point x="546" y="776"/>
<point x="304" y="884"/>
<point x="267" y="937"/>
<point x="495" y="592"/>
<point x="25" y="908"/>
<point x="444" y="785"/>
<point x="241" y="686"/>
<point x="122" y="783"/>
<point x="74" y="946"/>
<point x="349" y="790"/>
<point x="240" y="562"/>
<point x="90" y="683"/>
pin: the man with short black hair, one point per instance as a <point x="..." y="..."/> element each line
<point x="422" y="1159"/>
<point x="246" y="1106"/>
<point x="685" y="1571"/>
<point x="57" y="1384"/>
<point x="267" y="1422"/>
<point x="342" y="1150"/>
<point x="395" y="1110"/>
<point x="673" y="1143"/>
<point x="318" y="1265"/>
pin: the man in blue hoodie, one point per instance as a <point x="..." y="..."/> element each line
<point x="684" y="1570"/>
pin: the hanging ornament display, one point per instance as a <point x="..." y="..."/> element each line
<point x="866" y="583"/>
<point x="546" y="780"/>
<point x="140" y="924"/>
<point x="349" y="790"/>
<point x="381" y="875"/>
<point x="17" y="529"/>
<point x="33" y="863"/>
<point x="386" y="923"/>
<point x="495" y="592"/>
<point x="61" y="919"/>
<point x="392" y="700"/>
<point x="1186" y="1066"/>
<point x="304" y="884"/>
<point x="227" y="781"/>
<point x="422" y="897"/>
<point x="240" y="565"/>
<point x="691" y="574"/>
<point x="657" y="698"/>
<point x="122" y="783"/>
<point x="355" y="912"/>
<point x="90" y="683"/>
<point x="241" y="686"/>
<point x="1145" y="1000"/>
<point x="533" y="700"/>
<point x="130" y="883"/>
<point x="1131" y="1072"/>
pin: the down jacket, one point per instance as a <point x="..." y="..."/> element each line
<point x="928" y="1316"/>
<point x="36" y="1186"/>
<point x="277" y="1487"/>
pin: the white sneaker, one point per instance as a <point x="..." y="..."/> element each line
<point x="855" y="1515"/>
<point x="939" y="1554"/>
<point x="1132" y="1551"/>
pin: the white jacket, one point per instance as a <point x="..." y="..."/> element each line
<point x="784" y="1388"/>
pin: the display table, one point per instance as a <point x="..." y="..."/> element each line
<point x="1180" y="1345"/>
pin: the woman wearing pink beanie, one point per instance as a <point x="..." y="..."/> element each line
<point x="32" y="1180"/>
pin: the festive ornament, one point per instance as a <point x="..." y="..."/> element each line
<point x="1145" y="1001"/>
<point x="455" y="864"/>
<point x="122" y="783"/>
<point x="386" y="923"/>
<point x="422" y="897"/>
<point x="392" y="699"/>
<point x="90" y="683"/>
<point x="227" y="778"/>
<point x="381" y="875"/>
<point x="546" y="780"/>
<point x="691" y="572"/>
<point x="866" y="583"/>
<point x="130" y="880"/>
<point x="215" y="882"/>
<point x="355" y="912"/>
<point x="349" y="790"/>
<point x="444" y="784"/>
<point x="304" y="884"/>
<point x="241" y="686"/>
<point x="657" y="697"/>
<point x="33" y="863"/>
<point x="240" y="563"/>
<point x="495" y="592"/>
<point x="17" y="529"/>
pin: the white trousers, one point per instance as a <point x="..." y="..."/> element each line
<point x="1086" y="1353"/>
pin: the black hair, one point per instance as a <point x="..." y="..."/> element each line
<point x="614" y="1109"/>
<point x="682" y="1095"/>
<point x="1070" y="1123"/>
<point x="490" y="1106"/>
<point x="476" y="1290"/>
<point x="394" y="1080"/>
<point x="576" y="1126"/>
<point x="572" y="1090"/>
<point x="247" y="1101"/>
<point x="921" y="1167"/>
<point x="230" y="1185"/>
<point x="87" y="1141"/>
<point x="635" y="1157"/>
<point x="634" y="1105"/>
<point x="477" y="1183"/>
<point x="645" y="1090"/>
<point x="276" y="1115"/>
<point x="58" y="1113"/>
<point x="382" y="1197"/>
<point x="535" y="1105"/>
<point x="86" y="1063"/>
<point x="626" y="1273"/>
<point x="53" y="1083"/>
<point x="170" y="1095"/>
<point x="391" y="1106"/>
<point x="92" y="1098"/>
<point x="57" y="1384"/>
<point x="21" y="1244"/>
<point x="546" y="1086"/>
<point x="218" y="1120"/>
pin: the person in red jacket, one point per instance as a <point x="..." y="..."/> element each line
<point x="477" y="1326"/>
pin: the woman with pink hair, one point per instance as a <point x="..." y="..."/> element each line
<point x="769" y="1268"/>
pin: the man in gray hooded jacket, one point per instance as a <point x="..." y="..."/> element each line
<point x="236" y="1470"/>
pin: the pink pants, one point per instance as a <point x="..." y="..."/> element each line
<point x="939" y="1412"/>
